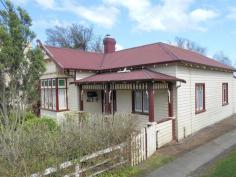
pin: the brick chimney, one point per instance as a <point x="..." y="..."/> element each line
<point x="109" y="44"/>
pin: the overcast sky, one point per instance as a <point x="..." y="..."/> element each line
<point x="211" y="23"/>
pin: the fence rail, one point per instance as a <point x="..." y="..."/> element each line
<point x="141" y="145"/>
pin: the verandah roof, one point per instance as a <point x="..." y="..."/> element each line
<point x="137" y="75"/>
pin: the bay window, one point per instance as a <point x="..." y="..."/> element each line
<point x="141" y="102"/>
<point x="199" y="97"/>
<point x="54" y="94"/>
<point x="225" y="94"/>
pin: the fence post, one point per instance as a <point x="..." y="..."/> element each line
<point x="77" y="170"/>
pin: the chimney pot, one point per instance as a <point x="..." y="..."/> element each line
<point x="109" y="44"/>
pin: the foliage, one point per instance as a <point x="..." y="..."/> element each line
<point x="74" y="36"/>
<point x="24" y="151"/>
<point x="41" y="122"/>
<point x="224" y="167"/>
<point x="222" y="58"/>
<point x="20" y="64"/>
<point x="30" y="116"/>
<point x="190" y="45"/>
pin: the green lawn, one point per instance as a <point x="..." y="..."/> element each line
<point x="139" y="171"/>
<point x="224" y="167"/>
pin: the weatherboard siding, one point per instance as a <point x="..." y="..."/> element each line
<point x="161" y="104"/>
<point x="94" y="107"/>
<point x="73" y="95"/>
<point x="234" y="94"/>
<point x="164" y="133"/>
<point x="187" y="121"/>
<point x="124" y="101"/>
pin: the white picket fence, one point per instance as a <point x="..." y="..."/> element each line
<point x="142" y="145"/>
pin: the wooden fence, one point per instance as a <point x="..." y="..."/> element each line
<point x="141" y="145"/>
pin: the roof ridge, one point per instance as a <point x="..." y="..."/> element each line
<point x="171" y="54"/>
<point x="194" y="52"/>
<point x="156" y="43"/>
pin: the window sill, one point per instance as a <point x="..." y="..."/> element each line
<point x="54" y="110"/>
<point x="199" y="112"/>
<point x="140" y="113"/>
<point x="225" y="104"/>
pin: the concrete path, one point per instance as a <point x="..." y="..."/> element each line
<point x="190" y="161"/>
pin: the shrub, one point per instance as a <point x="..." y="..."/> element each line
<point x="30" y="116"/>
<point x="41" y="122"/>
<point x="40" y="143"/>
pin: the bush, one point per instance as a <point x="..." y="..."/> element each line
<point x="30" y="116"/>
<point x="41" y="122"/>
<point x="40" y="143"/>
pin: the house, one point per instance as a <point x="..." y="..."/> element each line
<point x="178" y="89"/>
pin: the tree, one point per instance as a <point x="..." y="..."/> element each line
<point x="190" y="45"/>
<point x="222" y="58"/>
<point x="74" y="36"/>
<point x="20" y="64"/>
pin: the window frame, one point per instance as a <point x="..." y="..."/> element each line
<point x="225" y="100"/>
<point x="51" y="96"/>
<point x="198" y="110"/>
<point x="143" y="111"/>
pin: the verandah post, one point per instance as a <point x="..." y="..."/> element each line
<point x="81" y="103"/>
<point x="151" y="102"/>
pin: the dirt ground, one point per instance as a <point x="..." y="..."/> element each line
<point x="205" y="135"/>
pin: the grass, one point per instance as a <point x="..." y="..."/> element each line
<point x="150" y="164"/>
<point x="224" y="167"/>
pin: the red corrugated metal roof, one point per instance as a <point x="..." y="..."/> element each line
<point x="75" y="58"/>
<point x="136" y="75"/>
<point x="144" y="55"/>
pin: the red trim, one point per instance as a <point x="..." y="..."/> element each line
<point x="204" y="98"/>
<point x="133" y="101"/>
<point x="170" y="103"/>
<point x="66" y="96"/>
<point x="173" y="129"/>
<point x="102" y="96"/>
<point x="81" y="102"/>
<point x="225" y="96"/>
<point x="151" y="103"/>
<point x="57" y="99"/>
<point x="54" y="110"/>
<point x="114" y="101"/>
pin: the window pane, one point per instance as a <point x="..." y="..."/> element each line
<point x="54" y="82"/>
<point x="46" y="98"/>
<point x="50" y="82"/>
<point x="61" y="82"/>
<point x="46" y="83"/>
<point x="49" y="98"/>
<point x="145" y="102"/>
<point x="54" y="98"/>
<point x="62" y="98"/>
<point x="199" y="97"/>
<point x="138" y="101"/>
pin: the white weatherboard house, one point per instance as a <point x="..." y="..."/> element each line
<point x="179" y="90"/>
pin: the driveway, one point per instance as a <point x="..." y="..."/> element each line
<point x="188" y="162"/>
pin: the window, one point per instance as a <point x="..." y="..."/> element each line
<point x="225" y="100"/>
<point x="54" y="94"/>
<point x="141" y="102"/>
<point x="199" y="98"/>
